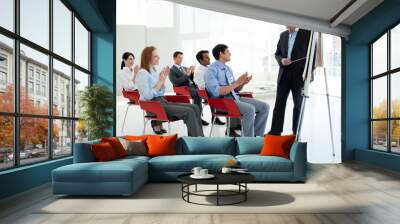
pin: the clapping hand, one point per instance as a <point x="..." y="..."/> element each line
<point x="248" y="79"/>
<point x="286" y="61"/>
<point x="164" y="73"/>
<point x="136" y="69"/>
<point x="190" y="70"/>
<point x="242" y="79"/>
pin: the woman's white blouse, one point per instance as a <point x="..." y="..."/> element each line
<point x="126" y="79"/>
<point x="146" y="81"/>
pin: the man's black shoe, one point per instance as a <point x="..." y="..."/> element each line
<point x="238" y="127"/>
<point x="204" y="123"/>
<point x="219" y="122"/>
<point x="232" y="133"/>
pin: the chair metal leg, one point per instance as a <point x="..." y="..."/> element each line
<point x="144" y="115"/>
<point x="228" y="130"/>
<point x="212" y="124"/>
<point x="144" y="126"/>
<point x="123" y="123"/>
<point x="241" y="127"/>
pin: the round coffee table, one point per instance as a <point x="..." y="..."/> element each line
<point x="238" y="179"/>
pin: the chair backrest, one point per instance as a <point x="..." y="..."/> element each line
<point x="182" y="90"/>
<point x="177" y="98"/>
<point x="155" y="110"/>
<point x="227" y="105"/>
<point x="203" y="94"/>
<point x="246" y="94"/>
<point x="132" y="95"/>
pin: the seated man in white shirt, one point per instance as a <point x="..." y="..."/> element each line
<point x="203" y="57"/>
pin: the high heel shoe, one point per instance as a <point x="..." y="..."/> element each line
<point x="157" y="132"/>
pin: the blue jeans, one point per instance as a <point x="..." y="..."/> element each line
<point x="254" y="116"/>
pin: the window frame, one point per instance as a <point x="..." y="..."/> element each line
<point x="16" y="114"/>
<point x="388" y="74"/>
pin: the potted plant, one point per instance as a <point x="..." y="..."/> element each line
<point x="96" y="103"/>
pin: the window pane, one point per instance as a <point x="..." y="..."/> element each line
<point x="6" y="74"/>
<point x="81" y="45"/>
<point x="35" y="21"/>
<point x="379" y="135"/>
<point x="379" y="97"/>
<point x="202" y="18"/>
<point x="7" y="14"/>
<point x="6" y="142"/>
<point x="81" y="131"/>
<point x="81" y="81"/>
<point x="34" y="72"/>
<point x="62" y="29"/>
<point x="395" y="94"/>
<point x="33" y="139"/>
<point x="62" y="89"/>
<point x="164" y="11"/>
<point x="186" y="23"/>
<point x="62" y="138"/>
<point x="379" y="55"/>
<point x="395" y="47"/>
<point x="395" y="136"/>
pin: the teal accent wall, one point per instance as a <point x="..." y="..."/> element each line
<point x="24" y="178"/>
<point x="356" y="99"/>
<point x="103" y="52"/>
<point x="100" y="17"/>
<point x="103" y="64"/>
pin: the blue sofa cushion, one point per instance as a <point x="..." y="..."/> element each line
<point x="185" y="163"/>
<point x="249" y="145"/>
<point x="257" y="163"/>
<point x="209" y="145"/>
<point x="83" y="153"/>
<point x="111" y="171"/>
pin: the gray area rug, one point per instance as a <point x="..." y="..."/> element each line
<point x="166" y="198"/>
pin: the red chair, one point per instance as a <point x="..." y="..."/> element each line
<point x="177" y="98"/>
<point x="157" y="112"/>
<point x="182" y="90"/>
<point x="224" y="107"/>
<point x="245" y="94"/>
<point x="133" y="97"/>
<point x="204" y="96"/>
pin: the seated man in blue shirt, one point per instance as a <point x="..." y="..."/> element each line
<point x="220" y="82"/>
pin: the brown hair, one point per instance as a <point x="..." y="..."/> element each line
<point x="145" y="59"/>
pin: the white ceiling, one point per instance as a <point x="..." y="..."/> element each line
<point x="309" y="14"/>
<point x="321" y="9"/>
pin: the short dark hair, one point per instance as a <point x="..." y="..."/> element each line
<point x="176" y="53"/>
<point x="219" y="48"/>
<point x="199" y="55"/>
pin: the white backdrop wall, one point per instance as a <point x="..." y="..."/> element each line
<point x="252" y="44"/>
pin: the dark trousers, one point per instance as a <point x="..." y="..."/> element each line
<point x="195" y="96"/>
<point x="290" y="81"/>
<point x="189" y="113"/>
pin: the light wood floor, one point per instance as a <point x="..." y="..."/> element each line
<point x="377" y="188"/>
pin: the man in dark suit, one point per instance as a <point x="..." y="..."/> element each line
<point x="182" y="76"/>
<point x="291" y="56"/>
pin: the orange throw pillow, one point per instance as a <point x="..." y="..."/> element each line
<point x="116" y="145"/>
<point x="159" y="145"/>
<point x="136" y="137"/>
<point x="275" y="145"/>
<point x="103" y="152"/>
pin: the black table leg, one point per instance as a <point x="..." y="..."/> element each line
<point x="196" y="188"/>
<point x="188" y="190"/>
<point x="245" y="193"/>
<point x="217" y="194"/>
